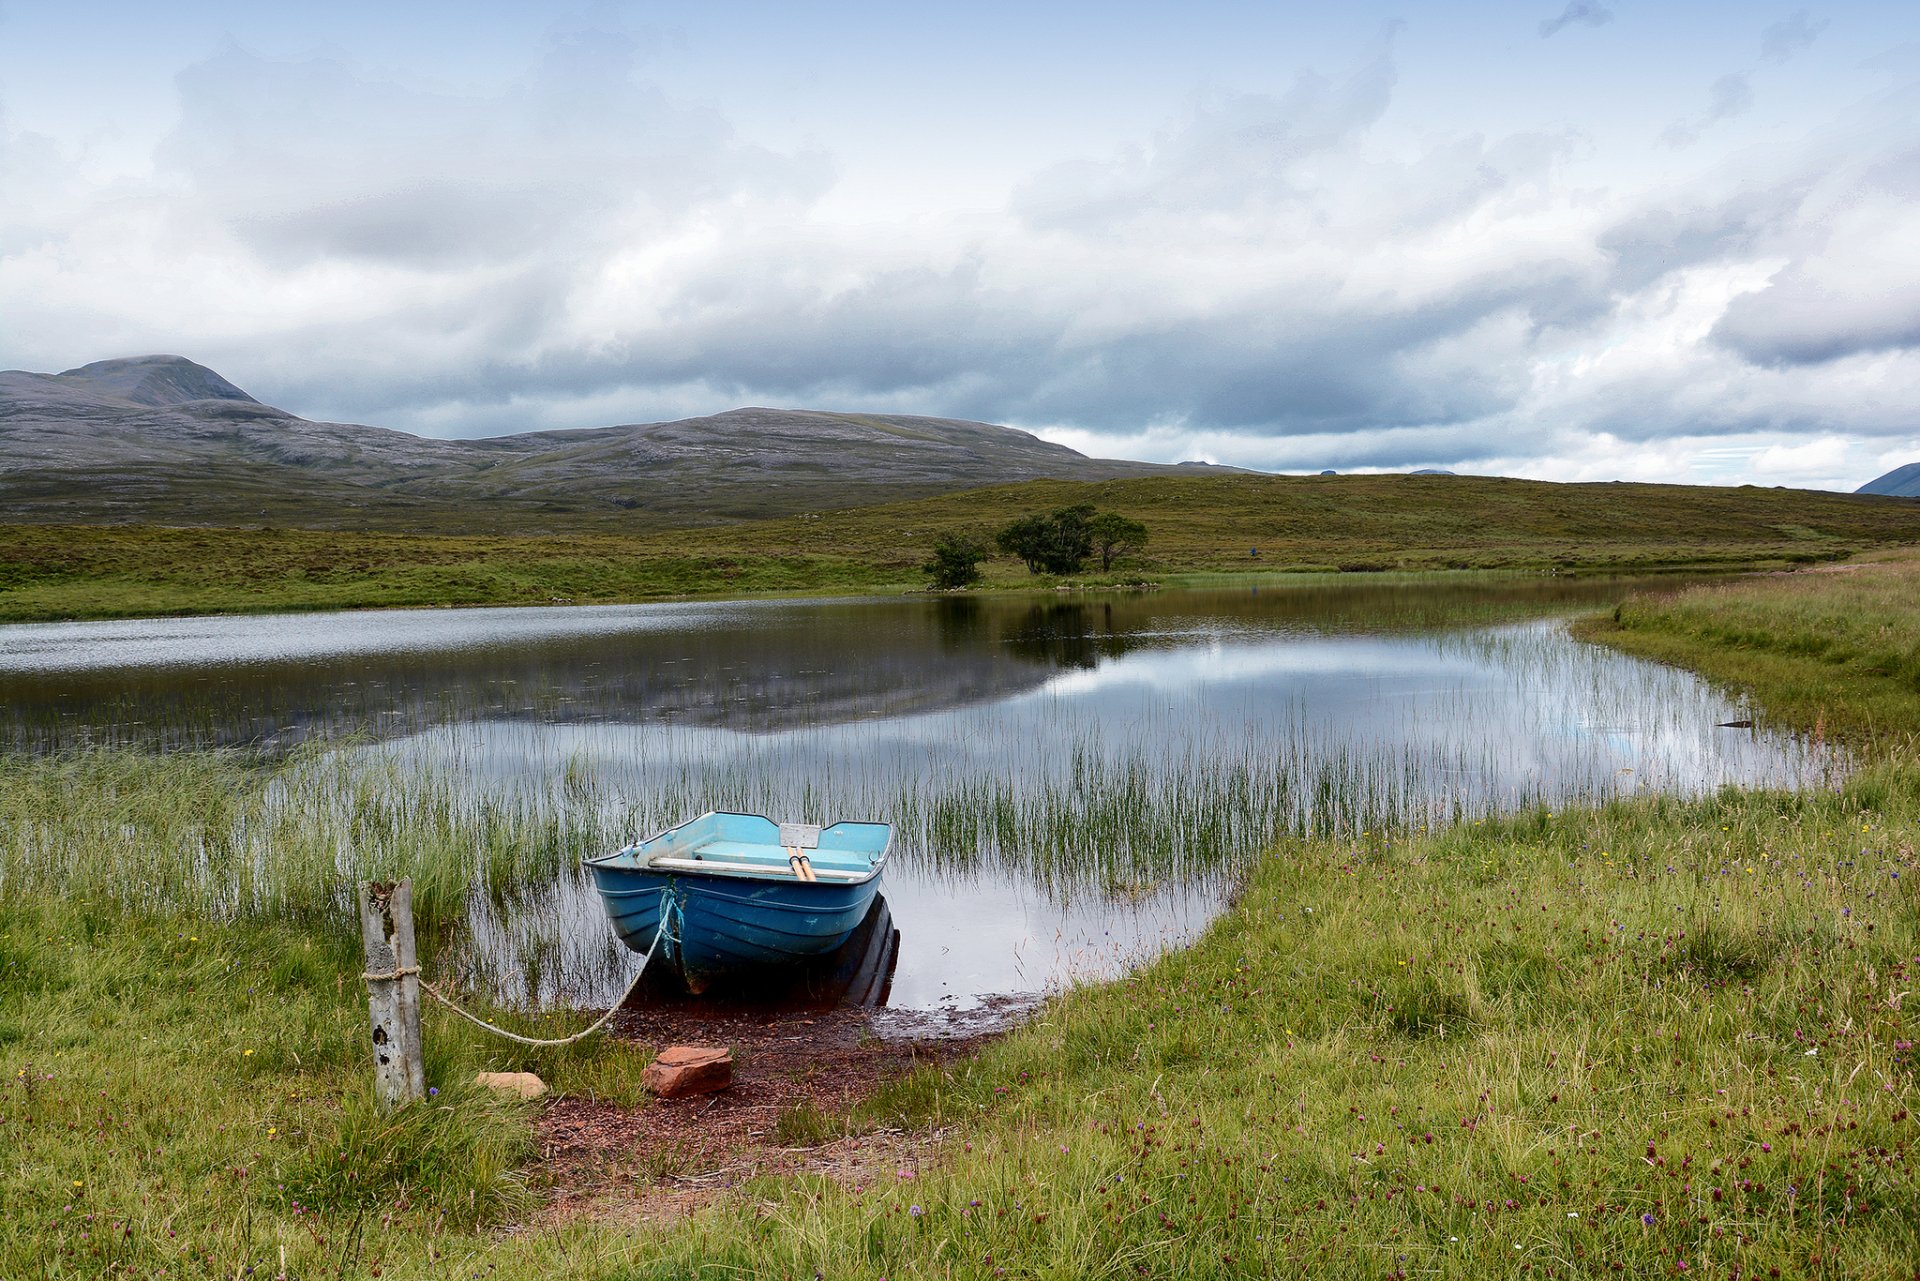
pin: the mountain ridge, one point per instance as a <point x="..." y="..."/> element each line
<point x="162" y="439"/>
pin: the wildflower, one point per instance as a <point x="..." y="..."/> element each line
<point x="915" y="1211"/>
<point x="246" y="1054"/>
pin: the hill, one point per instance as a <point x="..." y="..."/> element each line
<point x="162" y="440"/>
<point x="1380" y="522"/>
<point x="1198" y="524"/>
<point x="1901" y="482"/>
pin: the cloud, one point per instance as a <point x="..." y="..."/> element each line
<point x="1825" y="454"/>
<point x="1284" y="279"/>
<point x="1781" y="40"/>
<point x="310" y="161"/>
<point x="1841" y="305"/>
<point x="1845" y="284"/>
<point x="1729" y="96"/>
<point x="1237" y="152"/>
<point x="1702" y="226"/>
<point x="1585" y="13"/>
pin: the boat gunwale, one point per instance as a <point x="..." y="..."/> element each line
<point x="776" y="875"/>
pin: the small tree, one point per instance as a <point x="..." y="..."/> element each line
<point x="955" y="561"/>
<point x="1115" y="536"/>
<point x="1027" y="538"/>
<point x="1072" y="539"/>
<point x="1058" y="543"/>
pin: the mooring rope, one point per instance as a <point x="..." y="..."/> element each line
<point x="666" y="908"/>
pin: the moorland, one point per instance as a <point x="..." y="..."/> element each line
<point x="1198" y="526"/>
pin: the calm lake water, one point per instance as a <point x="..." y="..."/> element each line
<point x="1075" y="782"/>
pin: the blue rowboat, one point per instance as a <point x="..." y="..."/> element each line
<point x="738" y="891"/>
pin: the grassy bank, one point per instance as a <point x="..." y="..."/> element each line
<point x="1831" y="652"/>
<point x="1652" y="1036"/>
<point x="1198" y="525"/>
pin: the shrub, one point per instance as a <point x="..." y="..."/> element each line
<point x="955" y="561"/>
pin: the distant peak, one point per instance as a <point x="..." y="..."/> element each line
<point x="1901" y="482"/>
<point x="155" y="380"/>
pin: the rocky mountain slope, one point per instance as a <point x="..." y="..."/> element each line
<point x="162" y="439"/>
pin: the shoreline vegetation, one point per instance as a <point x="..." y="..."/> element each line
<point x="1656" y="1036"/>
<point x="1198" y="526"/>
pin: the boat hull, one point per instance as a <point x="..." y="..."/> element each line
<point x="751" y="910"/>
<point x="718" y="928"/>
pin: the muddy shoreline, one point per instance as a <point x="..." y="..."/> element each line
<point x="666" y="1158"/>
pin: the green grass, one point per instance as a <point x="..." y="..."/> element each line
<point x="1829" y="653"/>
<point x="1608" y="1041"/>
<point x="1199" y="525"/>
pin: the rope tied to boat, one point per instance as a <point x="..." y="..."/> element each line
<point x="666" y="909"/>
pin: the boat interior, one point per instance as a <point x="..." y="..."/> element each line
<point x="749" y="845"/>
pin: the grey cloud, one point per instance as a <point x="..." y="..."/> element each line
<point x="1652" y="242"/>
<point x="1264" y="366"/>
<point x="311" y="160"/>
<point x="755" y="332"/>
<point x="947" y="343"/>
<point x="1585" y="13"/>
<point x="1781" y="40"/>
<point x="1802" y="319"/>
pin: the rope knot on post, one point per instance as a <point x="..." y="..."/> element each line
<point x="391" y="975"/>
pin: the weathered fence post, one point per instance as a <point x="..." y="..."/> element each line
<point x="393" y="991"/>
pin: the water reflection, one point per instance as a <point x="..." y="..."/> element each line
<point x="276" y="681"/>
<point x="1075" y="783"/>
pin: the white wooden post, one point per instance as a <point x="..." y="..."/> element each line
<point x="393" y="992"/>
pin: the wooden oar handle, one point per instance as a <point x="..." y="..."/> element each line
<point x="802" y="866"/>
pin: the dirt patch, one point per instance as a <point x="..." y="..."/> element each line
<point x="667" y="1158"/>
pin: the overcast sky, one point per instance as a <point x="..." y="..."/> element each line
<point x="1572" y="240"/>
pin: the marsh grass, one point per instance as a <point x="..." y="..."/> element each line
<point x="1835" y="653"/>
